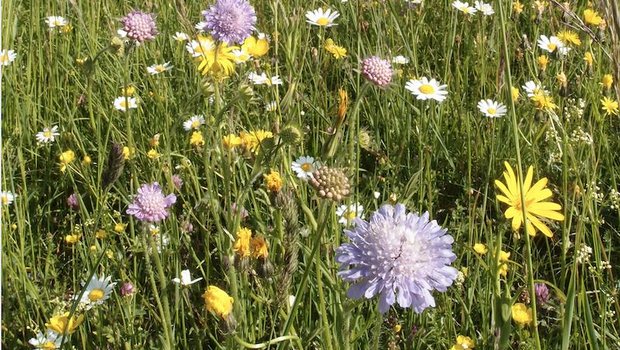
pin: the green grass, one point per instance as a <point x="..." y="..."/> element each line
<point x="442" y="158"/>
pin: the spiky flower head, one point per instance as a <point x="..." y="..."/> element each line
<point x="398" y="255"/>
<point x="377" y="70"/>
<point x="230" y="21"/>
<point x="330" y="183"/>
<point x="150" y="204"/>
<point x="139" y="26"/>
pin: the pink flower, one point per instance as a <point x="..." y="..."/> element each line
<point x="150" y="204"/>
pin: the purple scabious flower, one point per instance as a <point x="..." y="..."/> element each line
<point x="230" y="21"/>
<point x="377" y="70"/>
<point x="150" y="204"/>
<point x="400" y="256"/>
<point x="139" y="26"/>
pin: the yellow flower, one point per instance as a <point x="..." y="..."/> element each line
<point x="397" y="327"/>
<point x="561" y="78"/>
<point x="517" y="7"/>
<point x="196" y="139"/>
<point x="259" y="247"/>
<point x="87" y="160"/>
<point x="101" y="234"/>
<point x="480" y="248"/>
<point x="343" y="104"/>
<point x="218" y="301"/>
<point x="66" y="157"/>
<point x="535" y="206"/>
<point x="515" y="93"/>
<point x="251" y="141"/>
<point x="63" y="324"/>
<point x="154" y="141"/>
<point x="119" y="228"/>
<point x="521" y="314"/>
<point x="543" y="102"/>
<point x="72" y="239"/>
<point x="504" y="256"/>
<point x="503" y="269"/>
<point x="242" y="244"/>
<point x="607" y="80"/>
<point x="609" y="106"/>
<point x="214" y="58"/>
<point x="592" y="17"/>
<point x="569" y="37"/>
<point x="231" y="141"/>
<point x="588" y="58"/>
<point x="463" y="343"/>
<point x="128" y="90"/>
<point x="255" y="47"/>
<point x="152" y="153"/>
<point x="337" y="51"/>
<point x="273" y="181"/>
<point x="128" y="152"/>
<point x="543" y="61"/>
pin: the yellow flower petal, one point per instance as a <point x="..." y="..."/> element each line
<point x="540" y="225"/>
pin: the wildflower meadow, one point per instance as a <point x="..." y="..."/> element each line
<point x="287" y="174"/>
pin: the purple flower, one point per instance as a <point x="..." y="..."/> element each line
<point x="127" y="289"/>
<point x="150" y="204"/>
<point x="377" y="70"/>
<point x="177" y="181"/>
<point x="398" y="255"/>
<point x="230" y="21"/>
<point x="542" y="293"/>
<point x="72" y="201"/>
<point x="139" y="26"/>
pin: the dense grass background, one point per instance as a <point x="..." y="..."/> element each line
<point x="441" y="158"/>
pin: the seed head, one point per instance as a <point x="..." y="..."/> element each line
<point x="330" y="183"/>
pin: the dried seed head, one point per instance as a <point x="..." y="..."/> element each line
<point x="330" y="183"/>
<point x="115" y="165"/>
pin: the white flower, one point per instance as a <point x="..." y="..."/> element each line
<point x="194" y="122"/>
<point x="400" y="60"/>
<point x="320" y="18"/>
<point x="349" y="212"/>
<point x="532" y="89"/>
<point x="55" y="21"/>
<point x="7" y="197"/>
<point x="49" y="340"/>
<point x="180" y="36"/>
<point x="196" y="48"/>
<point x="291" y="300"/>
<point x="271" y="106"/>
<point x="550" y="44"/>
<point x="262" y="79"/>
<point x="492" y="109"/>
<point x="47" y="135"/>
<point x="200" y="26"/>
<point x="159" y="68"/>
<point x="241" y="56"/>
<point x="7" y="57"/>
<point x="376" y="194"/>
<point x="425" y="89"/>
<point x="161" y="240"/>
<point x="563" y="51"/>
<point x="97" y="291"/>
<point x="485" y="8"/>
<point x="304" y="166"/>
<point x="464" y="7"/>
<point x="186" y="279"/>
<point x="125" y="103"/>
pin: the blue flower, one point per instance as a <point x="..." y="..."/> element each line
<point x="230" y="21"/>
<point x="399" y="256"/>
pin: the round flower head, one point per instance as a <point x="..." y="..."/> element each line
<point x="97" y="291"/>
<point x="139" y="26"/>
<point x="230" y="21"/>
<point x="492" y="109"/>
<point x="400" y="256"/>
<point x="377" y="70"/>
<point x="150" y="204"/>
<point x="425" y="89"/>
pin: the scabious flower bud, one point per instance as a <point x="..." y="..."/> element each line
<point x="330" y="183"/>
<point x="139" y="26"/>
<point x="542" y="293"/>
<point x="377" y="70"/>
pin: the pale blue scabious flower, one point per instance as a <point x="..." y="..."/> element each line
<point x="398" y="255"/>
<point x="150" y="205"/>
<point x="230" y="21"/>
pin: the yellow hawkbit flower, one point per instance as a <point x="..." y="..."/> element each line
<point x="152" y="153"/>
<point x="273" y="181"/>
<point x="65" y="158"/>
<point x="610" y="106"/>
<point x="480" y="248"/>
<point x="242" y="244"/>
<point x="591" y="17"/>
<point x="543" y="102"/>
<point x="589" y="58"/>
<point x="119" y="228"/>
<point x="216" y="59"/>
<point x="463" y="343"/>
<point x="72" y="239"/>
<point x="607" y="81"/>
<point x="515" y="93"/>
<point x="259" y="247"/>
<point x="517" y="7"/>
<point x="128" y="152"/>
<point x="542" y="61"/>
<point x="231" y="141"/>
<point x="521" y="314"/>
<point x="568" y="37"/>
<point x="337" y="51"/>
<point x="251" y="141"/>
<point x="196" y="139"/>
<point x="218" y="301"/>
<point x="63" y="324"/>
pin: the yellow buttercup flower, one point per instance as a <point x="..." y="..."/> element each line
<point x="610" y="106"/>
<point x="242" y="244"/>
<point x="218" y="301"/>
<point x="521" y="314"/>
<point x="255" y="47"/>
<point x="480" y="248"/>
<point x="63" y="324"/>
<point x="535" y="206"/>
<point x="65" y="158"/>
<point x="463" y="343"/>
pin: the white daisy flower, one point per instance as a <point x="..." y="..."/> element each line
<point x="464" y="7"/>
<point x="304" y="167"/>
<point x="7" y="197"/>
<point x="400" y="60"/>
<point x="322" y="19"/>
<point x="7" y="57"/>
<point x="196" y="48"/>
<point x="186" y="279"/>
<point x="47" y="135"/>
<point x="531" y="89"/>
<point x="563" y="51"/>
<point x="492" y="109"/>
<point x="180" y="37"/>
<point x="159" y="68"/>
<point x="49" y="340"/>
<point x="349" y="212"/>
<point x="484" y="8"/>
<point x="194" y="122"/>
<point x="56" y="21"/>
<point x="200" y="26"/>
<point x="425" y="89"/>
<point x="262" y="79"/>
<point x="97" y="291"/>
<point x="550" y="44"/>
<point x="241" y="56"/>
<point x="125" y="103"/>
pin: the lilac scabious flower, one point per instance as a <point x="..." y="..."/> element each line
<point x="150" y="204"/>
<point x="399" y="256"/>
<point x="139" y="26"/>
<point x="230" y="21"/>
<point x="377" y="70"/>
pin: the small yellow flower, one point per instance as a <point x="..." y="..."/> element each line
<point x="231" y="141"/>
<point x="343" y="104"/>
<point x="119" y="228"/>
<point x="109" y="253"/>
<point x="397" y="327"/>
<point x="503" y="269"/>
<point x="72" y="239"/>
<point x="87" y="160"/>
<point x="515" y="93"/>
<point x="259" y="247"/>
<point x="101" y="234"/>
<point x="255" y="47"/>
<point x="218" y="301"/>
<point x="463" y="343"/>
<point x="521" y="314"/>
<point x="592" y="17"/>
<point x="337" y="51"/>
<point x="251" y="141"/>
<point x="480" y="248"/>
<point x="242" y="244"/>
<point x="152" y="153"/>
<point x="67" y="28"/>
<point x="128" y="152"/>
<point x="543" y="101"/>
<point x="273" y="181"/>
<point x="128" y="91"/>
<point x="569" y="37"/>
<point x="196" y="139"/>
<point x="610" y="106"/>
<point x="93" y="248"/>
<point x="66" y="157"/>
<point x="542" y="61"/>
<point x="589" y="58"/>
<point x="517" y="7"/>
<point x="561" y="78"/>
<point x="63" y="324"/>
<point x="504" y="256"/>
<point x="607" y="81"/>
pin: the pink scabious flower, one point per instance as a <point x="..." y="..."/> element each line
<point x="139" y="26"/>
<point x="230" y="21"/>
<point x="398" y="255"/>
<point x="377" y="70"/>
<point x="150" y="204"/>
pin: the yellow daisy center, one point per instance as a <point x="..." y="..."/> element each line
<point x="306" y="167"/>
<point x="48" y="345"/>
<point x="349" y="215"/>
<point x="552" y="47"/>
<point x="47" y="134"/>
<point x="4" y="58"/>
<point x="124" y="104"/>
<point x="323" y="21"/>
<point x="96" y="294"/>
<point x="5" y="200"/>
<point x="159" y="68"/>
<point x="427" y="89"/>
<point x="195" y="124"/>
<point x="491" y="110"/>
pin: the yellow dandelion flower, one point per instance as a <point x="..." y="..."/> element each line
<point x="569" y="37"/>
<point x="251" y="141"/>
<point x="196" y="139"/>
<point x="480" y="248"/>
<point x="63" y="324"/>
<point x="128" y="90"/>
<point x="218" y="301"/>
<point x="521" y="314"/>
<point x="610" y="106"/>
<point x="517" y="7"/>
<point x="463" y="343"/>
<point x="213" y="58"/>
<point x="231" y="141"/>
<point x="273" y="181"/>
<point x="242" y="244"/>
<point x="535" y="206"/>
<point x="337" y="51"/>
<point x="607" y="81"/>
<point x="259" y="247"/>
<point x="592" y="17"/>
<point x="589" y="58"/>
<point x="65" y="158"/>
<point x="543" y="102"/>
<point x="542" y="61"/>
